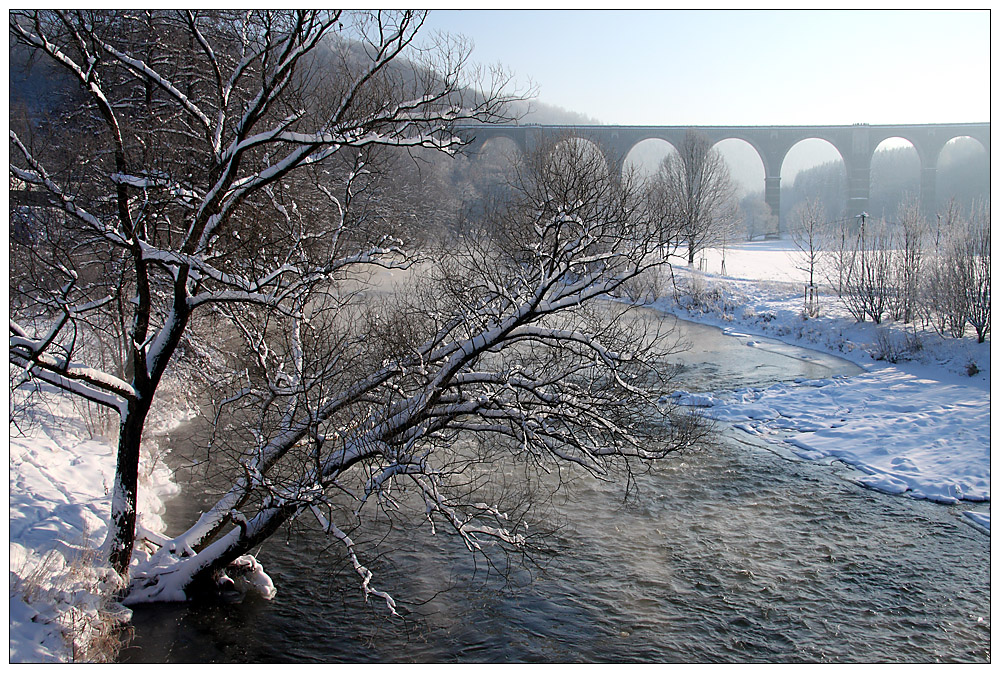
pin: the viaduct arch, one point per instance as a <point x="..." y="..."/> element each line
<point x="856" y="144"/>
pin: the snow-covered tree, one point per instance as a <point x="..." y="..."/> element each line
<point x="214" y="195"/>
<point x="172" y="166"/>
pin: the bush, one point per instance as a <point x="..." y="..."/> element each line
<point x="894" y="347"/>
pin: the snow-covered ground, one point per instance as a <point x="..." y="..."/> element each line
<point x="919" y="427"/>
<point x="61" y="473"/>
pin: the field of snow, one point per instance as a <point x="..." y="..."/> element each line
<point x="756" y="260"/>
<point x="919" y="426"/>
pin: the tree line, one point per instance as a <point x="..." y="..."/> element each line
<point x="908" y="269"/>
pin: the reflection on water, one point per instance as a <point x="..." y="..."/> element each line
<point x="730" y="360"/>
<point x="729" y="553"/>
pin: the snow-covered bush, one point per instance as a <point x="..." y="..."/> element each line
<point x="894" y="345"/>
<point x="697" y="293"/>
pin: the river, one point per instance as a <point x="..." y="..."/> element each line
<point x="729" y="553"/>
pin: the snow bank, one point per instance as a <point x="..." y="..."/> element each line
<point x="980" y="518"/>
<point x="60" y="484"/>
<point x="916" y="422"/>
<point x="61" y="475"/>
<point x="908" y="434"/>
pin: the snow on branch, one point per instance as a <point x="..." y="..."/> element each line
<point x="92" y="384"/>
<point x="468" y="528"/>
<point x="38" y="176"/>
<point x="140" y="68"/>
<point x="365" y="574"/>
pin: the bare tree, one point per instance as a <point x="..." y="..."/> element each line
<point x="909" y="264"/>
<point x="954" y="284"/>
<point x="865" y="267"/>
<point x="757" y="217"/>
<point x="970" y="262"/>
<point x="942" y="303"/>
<point x="233" y="188"/>
<point x="697" y="204"/>
<point x="189" y="125"/>
<point x="807" y="233"/>
<point x="838" y="240"/>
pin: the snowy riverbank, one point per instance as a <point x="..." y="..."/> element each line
<point x="916" y="422"/>
<point x="62" y="464"/>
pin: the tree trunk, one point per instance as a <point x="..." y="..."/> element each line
<point x="238" y="542"/>
<point x="121" y="533"/>
<point x="191" y="576"/>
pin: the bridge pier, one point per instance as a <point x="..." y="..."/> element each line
<point x="772" y="197"/>
<point x="928" y="190"/>
<point x="859" y="181"/>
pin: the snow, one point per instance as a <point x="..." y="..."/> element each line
<point x="758" y="260"/>
<point x="981" y="518"/>
<point x="918" y="427"/>
<point x="907" y="434"/>
<point x="61" y="478"/>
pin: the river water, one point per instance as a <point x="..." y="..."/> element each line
<point x="729" y="553"/>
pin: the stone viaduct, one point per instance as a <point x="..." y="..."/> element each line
<point x="855" y="143"/>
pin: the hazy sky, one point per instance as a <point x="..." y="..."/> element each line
<point x="720" y="67"/>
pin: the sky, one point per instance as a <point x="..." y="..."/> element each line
<point x="753" y="67"/>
